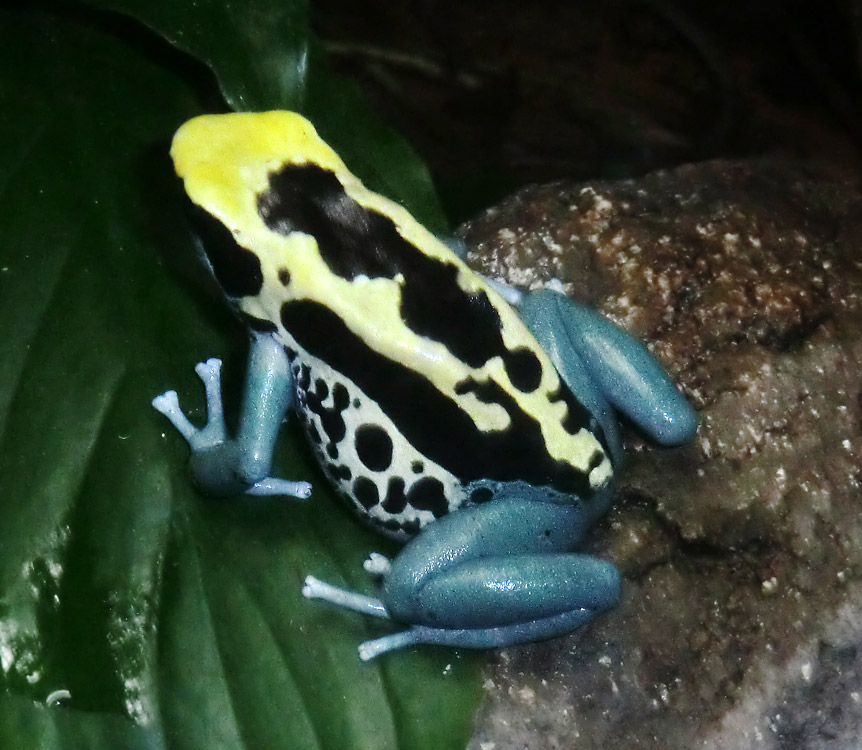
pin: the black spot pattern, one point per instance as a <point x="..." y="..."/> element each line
<point x="417" y="467"/>
<point x="354" y="240"/>
<point x="284" y="276"/>
<point x="401" y="527"/>
<point x="524" y="369"/>
<point x="340" y="472"/>
<point x="432" y="423"/>
<point x="331" y="418"/>
<point x="365" y="491"/>
<point x="321" y="389"/>
<point x="258" y="324"/>
<point x="481" y="495"/>
<point x="428" y="494"/>
<point x="395" y="500"/>
<point x="577" y="415"/>
<point x="236" y="269"/>
<point x="374" y="447"/>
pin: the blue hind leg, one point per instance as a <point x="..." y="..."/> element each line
<point x="491" y="575"/>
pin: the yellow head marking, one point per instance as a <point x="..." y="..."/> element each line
<point x="227" y="163"/>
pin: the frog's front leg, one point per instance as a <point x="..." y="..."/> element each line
<point x="584" y="346"/>
<point x="490" y="575"/>
<point x="221" y="465"/>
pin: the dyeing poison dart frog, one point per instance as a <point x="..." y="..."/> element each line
<point x="480" y="431"/>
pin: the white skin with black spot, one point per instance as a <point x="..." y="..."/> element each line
<point x="362" y="410"/>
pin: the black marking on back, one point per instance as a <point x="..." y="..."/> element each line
<point x="524" y="369"/>
<point x="309" y="199"/>
<point x="258" y="324"/>
<point x="428" y="494"/>
<point x="395" y="500"/>
<point x="401" y="528"/>
<point x="577" y="415"/>
<point x="355" y="240"/>
<point x="343" y="472"/>
<point x="374" y="447"/>
<point x="236" y="269"/>
<point x="434" y="424"/>
<point x="331" y="419"/>
<point x="365" y="491"/>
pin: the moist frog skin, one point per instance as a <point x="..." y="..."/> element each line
<point x="480" y="430"/>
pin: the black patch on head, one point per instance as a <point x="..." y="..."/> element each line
<point x="374" y="447"/>
<point x="258" y="324"/>
<point x="417" y="467"/>
<point x="236" y="269"/>
<point x="365" y="491"/>
<point x="284" y="276"/>
<point x="354" y="240"/>
<point x="430" y="421"/>
<point x="395" y="500"/>
<point x="481" y="495"/>
<point x="428" y="494"/>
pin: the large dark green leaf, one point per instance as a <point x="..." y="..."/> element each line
<point x="172" y="621"/>
<point x="264" y="58"/>
<point x="258" y="48"/>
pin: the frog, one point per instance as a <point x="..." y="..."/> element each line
<point x="475" y="423"/>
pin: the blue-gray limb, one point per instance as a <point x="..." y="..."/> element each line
<point x="221" y="465"/>
<point x="509" y="635"/>
<point x="491" y="575"/>
<point x="586" y="348"/>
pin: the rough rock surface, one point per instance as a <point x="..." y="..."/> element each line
<point x="741" y="622"/>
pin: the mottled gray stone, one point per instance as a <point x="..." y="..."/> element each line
<point x="741" y="620"/>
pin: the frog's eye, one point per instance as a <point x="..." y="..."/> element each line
<point x="237" y="270"/>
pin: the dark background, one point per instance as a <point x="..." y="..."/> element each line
<point x="495" y="95"/>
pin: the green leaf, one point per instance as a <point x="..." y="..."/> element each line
<point x="24" y="724"/>
<point x="173" y="621"/>
<point x="263" y="57"/>
<point x="258" y="48"/>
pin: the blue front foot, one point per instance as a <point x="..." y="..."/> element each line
<point x="223" y="466"/>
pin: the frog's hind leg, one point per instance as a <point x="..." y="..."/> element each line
<point x="221" y="465"/>
<point x="493" y="575"/>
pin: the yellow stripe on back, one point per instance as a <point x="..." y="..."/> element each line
<point x="226" y="162"/>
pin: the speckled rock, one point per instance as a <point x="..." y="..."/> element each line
<point x="741" y="623"/>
